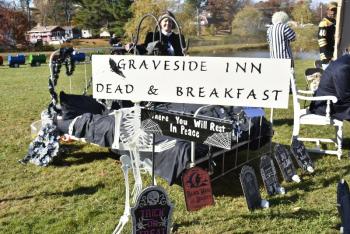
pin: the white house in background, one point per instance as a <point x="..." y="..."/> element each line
<point x="47" y="34"/>
<point x="104" y="33"/>
<point x="86" y="33"/>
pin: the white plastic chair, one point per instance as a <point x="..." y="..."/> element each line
<point x="305" y="117"/>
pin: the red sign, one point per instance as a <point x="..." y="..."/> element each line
<point x="197" y="188"/>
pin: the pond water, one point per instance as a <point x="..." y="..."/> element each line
<point x="313" y="55"/>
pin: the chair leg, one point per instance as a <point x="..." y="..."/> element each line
<point x="339" y="137"/>
<point x="296" y="129"/>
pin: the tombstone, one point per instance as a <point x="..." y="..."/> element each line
<point x="250" y="187"/>
<point x="269" y="176"/>
<point x="301" y="156"/>
<point x="285" y="164"/>
<point x="197" y="189"/>
<point x="152" y="212"/>
<point x="343" y="205"/>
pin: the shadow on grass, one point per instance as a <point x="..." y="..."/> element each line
<point x="283" y="199"/>
<point x="78" y="191"/>
<point x="279" y="122"/>
<point x="299" y="214"/>
<point x="304" y="185"/>
<point x="176" y="226"/>
<point x="228" y="185"/>
<point x="344" y="170"/>
<point x="321" y="182"/>
<point x="346" y="146"/>
<point x="67" y="160"/>
<point x="75" y="192"/>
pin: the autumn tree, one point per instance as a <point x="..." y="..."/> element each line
<point x="271" y="6"/>
<point x="14" y="25"/>
<point x="61" y="12"/>
<point x="140" y="8"/>
<point x="187" y="17"/>
<point x="43" y="7"/>
<point x="302" y="13"/>
<point x="222" y="12"/>
<point x="320" y="12"/>
<point x="54" y="12"/>
<point x="248" y="23"/>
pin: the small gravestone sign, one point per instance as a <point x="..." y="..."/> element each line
<point x="301" y="156"/>
<point x="269" y="175"/>
<point x="152" y="212"/>
<point x="343" y="205"/>
<point x="197" y="188"/>
<point x="250" y="187"/>
<point x="285" y="163"/>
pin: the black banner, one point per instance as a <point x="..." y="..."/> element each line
<point x="199" y="130"/>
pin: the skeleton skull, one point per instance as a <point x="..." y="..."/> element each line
<point x="153" y="198"/>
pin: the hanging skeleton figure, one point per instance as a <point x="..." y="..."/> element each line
<point x="134" y="133"/>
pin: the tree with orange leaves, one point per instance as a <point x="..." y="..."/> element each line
<point x="14" y="25"/>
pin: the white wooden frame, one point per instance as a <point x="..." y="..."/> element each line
<point x="305" y="117"/>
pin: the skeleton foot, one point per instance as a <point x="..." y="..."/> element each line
<point x="122" y="221"/>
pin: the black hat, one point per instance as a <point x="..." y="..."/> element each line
<point x="166" y="14"/>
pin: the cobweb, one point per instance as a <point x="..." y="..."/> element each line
<point x="221" y="140"/>
<point x="130" y="128"/>
<point x="150" y="126"/>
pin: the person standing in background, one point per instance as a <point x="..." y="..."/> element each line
<point x="114" y="40"/>
<point x="279" y="36"/>
<point x="168" y="43"/>
<point x="326" y="31"/>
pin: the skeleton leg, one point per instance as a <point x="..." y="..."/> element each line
<point x="135" y="160"/>
<point x="126" y="164"/>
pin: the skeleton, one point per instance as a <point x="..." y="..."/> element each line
<point x="126" y="164"/>
<point x="134" y="137"/>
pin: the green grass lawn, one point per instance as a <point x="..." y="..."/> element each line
<point x="83" y="190"/>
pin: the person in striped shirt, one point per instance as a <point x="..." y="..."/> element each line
<point x="279" y="36"/>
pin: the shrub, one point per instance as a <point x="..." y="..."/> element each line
<point x="306" y="38"/>
<point x="248" y="24"/>
<point x="211" y="30"/>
